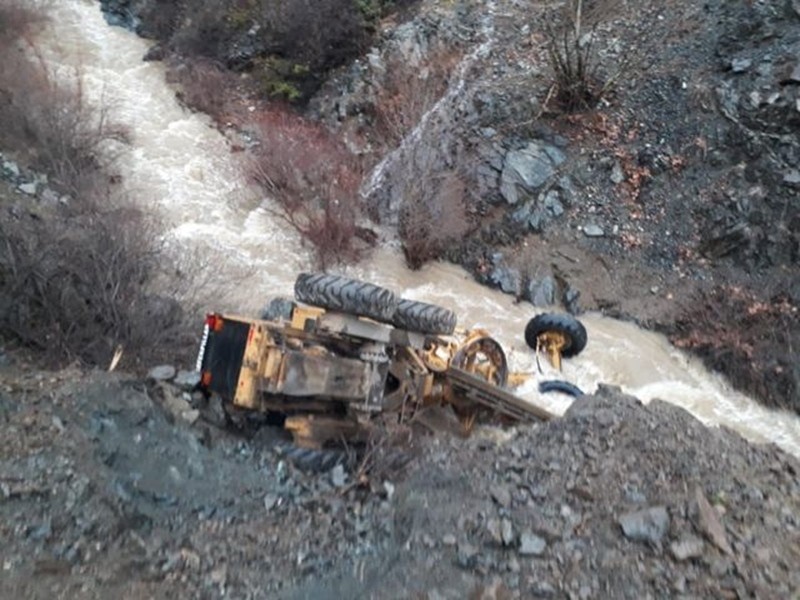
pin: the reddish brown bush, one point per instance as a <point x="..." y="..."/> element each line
<point x="313" y="179"/>
<point x="433" y="218"/>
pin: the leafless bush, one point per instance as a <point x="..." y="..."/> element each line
<point x="387" y="454"/>
<point x="50" y="116"/>
<point x="571" y="46"/>
<point x="313" y="179"/>
<point x="75" y="285"/>
<point x="433" y="217"/>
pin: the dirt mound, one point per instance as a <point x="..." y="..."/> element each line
<point x="103" y="493"/>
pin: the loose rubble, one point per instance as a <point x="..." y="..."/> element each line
<point x="106" y="490"/>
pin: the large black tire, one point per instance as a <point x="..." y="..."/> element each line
<point x="341" y="294"/>
<point x="567" y="325"/>
<point x="424" y="318"/>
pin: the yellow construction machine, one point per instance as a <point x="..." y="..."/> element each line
<point x="346" y="348"/>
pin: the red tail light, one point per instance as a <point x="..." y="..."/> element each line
<point x="205" y="378"/>
<point x="214" y="322"/>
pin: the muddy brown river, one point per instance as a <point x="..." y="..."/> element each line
<point x="182" y="168"/>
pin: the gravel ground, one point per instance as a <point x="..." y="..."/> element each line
<point x="111" y="487"/>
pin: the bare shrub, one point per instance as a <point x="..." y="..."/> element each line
<point x="313" y="179"/>
<point x="571" y="46"/>
<point x="75" y="285"/>
<point x="433" y="217"/>
<point x="320" y="35"/>
<point x="50" y="116"/>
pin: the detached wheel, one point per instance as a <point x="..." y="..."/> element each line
<point x="424" y="318"/>
<point x="341" y="294"/>
<point x="572" y="331"/>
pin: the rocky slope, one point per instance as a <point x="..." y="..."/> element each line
<point x="110" y="486"/>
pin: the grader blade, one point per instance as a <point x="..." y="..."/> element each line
<point x="478" y="390"/>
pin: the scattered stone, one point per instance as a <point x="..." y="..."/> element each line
<point x="49" y="196"/>
<point x="155" y="53"/>
<point x="388" y="487"/>
<point x="794" y="76"/>
<point x="709" y="522"/>
<point x="219" y="575"/>
<point x="270" y="501"/>
<point x="687" y="547"/>
<point x="449" y="539"/>
<point x="505" y="278"/>
<point x="543" y="589"/>
<point x="501" y="495"/>
<point x="190" y="416"/>
<point x="11" y="168"/>
<point x="531" y="544"/>
<point x="467" y="555"/>
<point x="27" y="188"/>
<point x="162" y="373"/>
<point x="617" y="174"/>
<point x="542" y="292"/>
<point x="187" y="380"/>
<point x="648" y="525"/>
<point x="593" y="230"/>
<point x="792" y="178"/>
<point x="191" y="559"/>
<point x="338" y="476"/>
<point x="528" y="169"/>
<point x="495" y="532"/>
<point x="740" y="65"/>
<point x="507" y="532"/>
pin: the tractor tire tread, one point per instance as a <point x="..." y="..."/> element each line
<point x="342" y="294"/>
<point x="422" y="317"/>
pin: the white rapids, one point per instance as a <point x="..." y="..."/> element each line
<point x="182" y="168"/>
